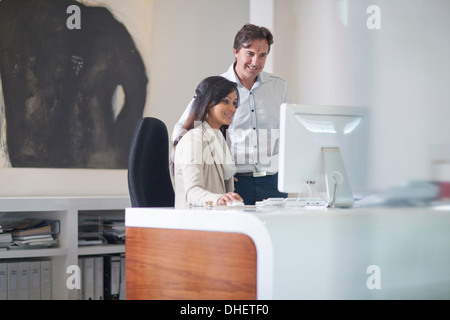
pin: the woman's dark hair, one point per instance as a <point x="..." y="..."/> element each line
<point x="250" y="32"/>
<point x="210" y="92"/>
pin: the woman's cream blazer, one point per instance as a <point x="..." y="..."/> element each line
<point x="198" y="177"/>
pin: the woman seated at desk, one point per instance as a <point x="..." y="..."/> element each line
<point x="203" y="167"/>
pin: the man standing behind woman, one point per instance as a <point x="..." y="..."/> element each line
<point x="203" y="168"/>
<point x="254" y="133"/>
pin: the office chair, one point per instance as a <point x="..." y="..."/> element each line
<point x="149" y="180"/>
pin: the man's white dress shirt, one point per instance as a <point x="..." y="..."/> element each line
<point x="254" y="132"/>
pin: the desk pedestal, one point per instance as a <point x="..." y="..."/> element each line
<point x="189" y="264"/>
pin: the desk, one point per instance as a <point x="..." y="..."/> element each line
<point x="287" y="253"/>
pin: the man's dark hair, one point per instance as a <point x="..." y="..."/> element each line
<point x="250" y="32"/>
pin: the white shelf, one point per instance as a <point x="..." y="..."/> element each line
<point x="18" y="204"/>
<point x="67" y="211"/>
<point x="101" y="249"/>
<point x="32" y="253"/>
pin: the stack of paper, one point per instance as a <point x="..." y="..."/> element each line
<point x="90" y="230"/>
<point x="96" y="230"/>
<point x="31" y="233"/>
<point x="114" y="231"/>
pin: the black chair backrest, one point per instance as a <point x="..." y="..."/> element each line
<point x="149" y="180"/>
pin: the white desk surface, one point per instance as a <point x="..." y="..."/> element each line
<point x="325" y="254"/>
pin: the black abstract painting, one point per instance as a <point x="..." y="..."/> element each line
<point x="59" y="85"/>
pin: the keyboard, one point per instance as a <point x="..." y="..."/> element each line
<point x="292" y="202"/>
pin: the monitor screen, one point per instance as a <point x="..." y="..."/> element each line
<point x="323" y="151"/>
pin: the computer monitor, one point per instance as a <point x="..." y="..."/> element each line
<point x="323" y="151"/>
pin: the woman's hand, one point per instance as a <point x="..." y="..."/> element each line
<point x="228" y="197"/>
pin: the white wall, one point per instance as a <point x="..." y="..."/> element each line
<point x="411" y="89"/>
<point x="262" y="14"/>
<point x="401" y="71"/>
<point x="192" y="39"/>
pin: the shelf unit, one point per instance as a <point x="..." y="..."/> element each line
<point x="67" y="211"/>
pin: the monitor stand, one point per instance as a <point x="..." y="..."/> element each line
<point x="339" y="192"/>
